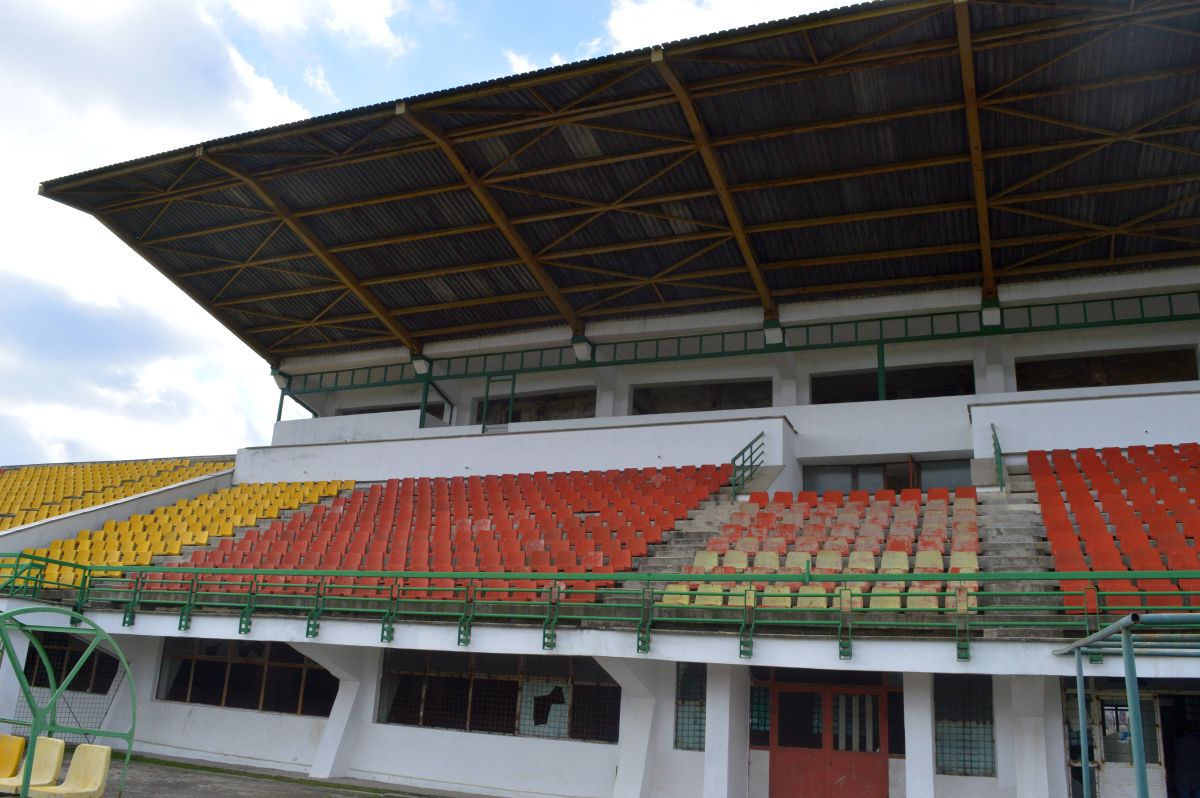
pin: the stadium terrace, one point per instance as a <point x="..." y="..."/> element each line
<point x="800" y="411"/>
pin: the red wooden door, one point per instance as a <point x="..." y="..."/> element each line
<point x="829" y="743"/>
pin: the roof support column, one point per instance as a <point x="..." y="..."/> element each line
<point x="717" y="175"/>
<point x="966" y="59"/>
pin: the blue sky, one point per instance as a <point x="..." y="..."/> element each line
<point x="100" y="356"/>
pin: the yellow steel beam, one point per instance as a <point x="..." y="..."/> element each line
<point x="485" y="199"/>
<point x="301" y="230"/>
<point x="966" y="59"/>
<point x="717" y="175"/>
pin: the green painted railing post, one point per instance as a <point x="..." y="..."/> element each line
<point x="746" y="463"/>
<point x="1081" y="700"/>
<point x="880" y="373"/>
<point x="424" y="401"/>
<point x="1133" y="699"/>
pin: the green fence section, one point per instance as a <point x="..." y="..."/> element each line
<point x="1156" y="308"/>
<point x="960" y="606"/>
<point x="747" y="462"/>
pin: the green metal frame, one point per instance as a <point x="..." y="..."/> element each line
<point x="635" y="601"/>
<point x="498" y="379"/>
<point x="1130" y="646"/>
<point x="876" y="332"/>
<point x="44" y="719"/>
<point x="747" y="462"/>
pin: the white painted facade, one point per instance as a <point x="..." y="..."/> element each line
<point x="1030" y="751"/>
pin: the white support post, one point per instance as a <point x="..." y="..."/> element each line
<point x="10" y="690"/>
<point x="1027" y="698"/>
<point x="919" y="761"/>
<point x="635" y="765"/>
<point x="356" y="670"/>
<point x="727" y="732"/>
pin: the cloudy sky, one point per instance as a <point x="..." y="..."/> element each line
<point x="100" y="356"/>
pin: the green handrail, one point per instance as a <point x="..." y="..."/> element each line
<point x="747" y="462"/>
<point x="998" y="456"/>
<point x="958" y="604"/>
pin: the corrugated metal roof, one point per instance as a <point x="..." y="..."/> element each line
<point x="841" y="136"/>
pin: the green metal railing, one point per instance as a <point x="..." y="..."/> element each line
<point x="747" y="462"/>
<point x="998" y="456"/>
<point x="958" y="606"/>
<point x="1148" y="309"/>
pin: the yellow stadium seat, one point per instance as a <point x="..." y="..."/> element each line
<point x="12" y="748"/>
<point x="677" y="594"/>
<point x="776" y="597"/>
<point x="47" y="761"/>
<point x="86" y="775"/>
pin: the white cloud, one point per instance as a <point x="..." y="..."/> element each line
<point x="88" y="84"/>
<point x="518" y="63"/>
<point x="362" y="23"/>
<point x="640" y="23"/>
<point x="314" y="77"/>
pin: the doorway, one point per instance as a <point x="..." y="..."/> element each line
<point x="829" y="741"/>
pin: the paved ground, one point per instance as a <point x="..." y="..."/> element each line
<point x="164" y="779"/>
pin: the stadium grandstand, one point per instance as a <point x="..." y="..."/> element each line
<point x="805" y="410"/>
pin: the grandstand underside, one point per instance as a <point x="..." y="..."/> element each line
<point x="764" y="414"/>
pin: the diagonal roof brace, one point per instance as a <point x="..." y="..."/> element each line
<point x="322" y="253"/>
<point x="966" y="58"/>
<point x="501" y="219"/>
<point x="717" y="175"/>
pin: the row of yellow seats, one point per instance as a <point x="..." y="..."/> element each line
<point x="87" y="773"/>
<point x="58" y="481"/>
<point x="191" y="522"/>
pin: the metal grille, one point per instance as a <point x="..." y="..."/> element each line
<point x="555" y="698"/>
<point x="691" y="687"/>
<point x="244" y="674"/>
<point x="964" y="732"/>
<point x="760" y="715"/>
<point x="855" y="723"/>
<point x="88" y="697"/>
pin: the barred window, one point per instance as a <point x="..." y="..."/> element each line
<point x="64" y="652"/>
<point x="760" y="714"/>
<point x="243" y="674"/>
<point x="555" y="698"/>
<point x="691" y="688"/>
<point x="964" y="732"/>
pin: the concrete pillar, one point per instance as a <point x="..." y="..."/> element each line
<point x="143" y="654"/>
<point x="1056" y="742"/>
<point x="635" y="764"/>
<point x="803" y="382"/>
<point x="727" y="732"/>
<point x="919" y="762"/>
<point x="606" y="391"/>
<point x="989" y="366"/>
<point x="355" y="669"/>
<point x="783" y="380"/>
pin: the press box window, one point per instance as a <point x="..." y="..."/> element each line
<point x="964" y="727"/>
<point x="555" y="698"/>
<point x="268" y="677"/>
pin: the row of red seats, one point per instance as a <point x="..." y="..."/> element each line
<point x="574" y="523"/>
<point x="1106" y="512"/>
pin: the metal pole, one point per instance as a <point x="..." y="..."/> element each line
<point x="1135" y="714"/>
<point x="424" y="402"/>
<point x="1081" y="700"/>
<point x="880" y="373"/>
<point x="279" y="410"/>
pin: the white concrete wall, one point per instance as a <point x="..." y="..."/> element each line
<point x="1166" y="413"/>
<point x="345" y="429"/>
<point x="39" y="535"/>
<point x="621" y="443"/>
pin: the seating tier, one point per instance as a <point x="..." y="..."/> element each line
<point x="1117" y="510"/>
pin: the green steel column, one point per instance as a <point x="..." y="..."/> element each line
<point x="1081" y="700"/>
<point x="1133" y="699"/>
<point x="880" y="372"/>
<point x="424" y="401"/>
<point x="279" y="410"/>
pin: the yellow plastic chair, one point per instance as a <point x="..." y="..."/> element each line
<point x="47" y="761"/>
<point x="86" y="775"/>
<point x="12" y="748"/>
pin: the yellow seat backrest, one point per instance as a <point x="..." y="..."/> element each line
<point x="86" y="775"/>
<point x="12" y="748"/>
